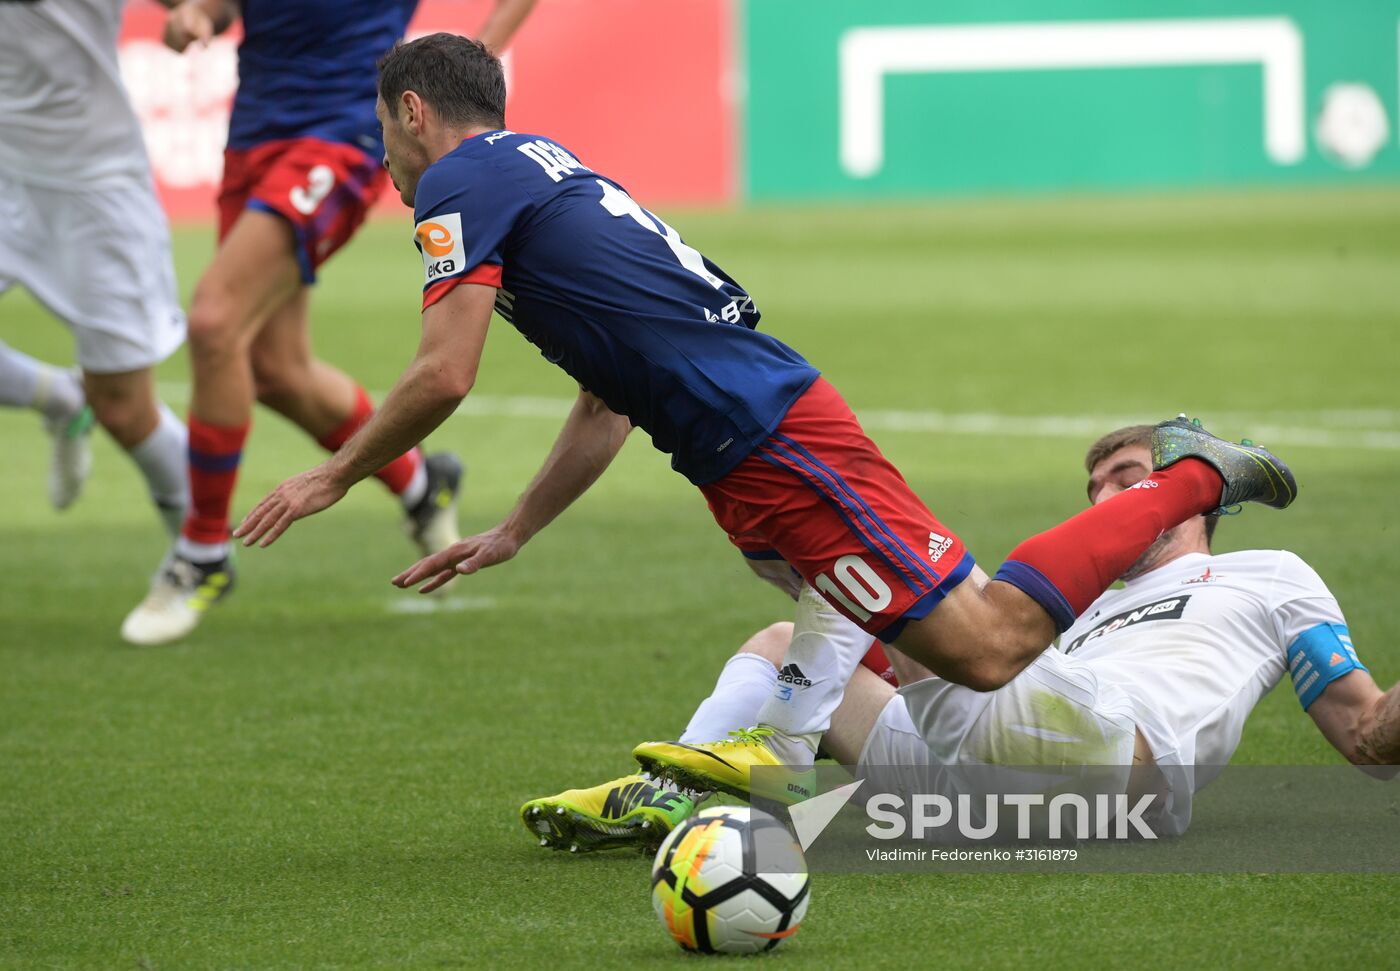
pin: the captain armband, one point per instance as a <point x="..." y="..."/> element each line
<point x="1319" y="656"/>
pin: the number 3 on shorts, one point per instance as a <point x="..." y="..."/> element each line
<point x="319" y="182"/>
<point x="857" y="587"/>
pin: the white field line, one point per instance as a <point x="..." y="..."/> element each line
<point x="1368" y="430"/>
<point x="411" y="603"/>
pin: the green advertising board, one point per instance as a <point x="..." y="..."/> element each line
<point x="904" y="98"/>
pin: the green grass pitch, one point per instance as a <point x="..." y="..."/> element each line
<point x="327" y="777"/>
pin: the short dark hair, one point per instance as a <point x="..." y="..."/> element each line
<point x="457" y="76"/>
<point x="1133" y="435"/>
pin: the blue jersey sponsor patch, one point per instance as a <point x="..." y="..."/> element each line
<point x="1319" y="656"/>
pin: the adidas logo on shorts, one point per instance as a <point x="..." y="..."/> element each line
<point x="937" y="546"/>
<point x="792" y="674"/>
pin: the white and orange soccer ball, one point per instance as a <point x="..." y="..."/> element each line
<point x="707" y="890"/>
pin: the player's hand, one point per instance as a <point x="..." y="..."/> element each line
<point x="300" y="496"/>
<point x="186" y="24"/>
<point x="464" y="557"/>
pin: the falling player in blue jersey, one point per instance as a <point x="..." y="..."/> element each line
<point x="659" y="337"/>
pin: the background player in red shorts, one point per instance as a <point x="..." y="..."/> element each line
<point x="663" y="339"/>
<point x="301" y="170"/>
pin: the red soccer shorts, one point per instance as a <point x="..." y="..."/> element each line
<point x="818" y="494"/>
<point x="323" y="189"/>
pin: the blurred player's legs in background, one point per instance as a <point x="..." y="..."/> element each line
<point x="81" y="229"/>
<point x="330" y="406"/>
<point x="285" y="208"/>
<point x="122" y="306"/>
<point x="311" y="394"/>
<point x="126" y="405"/>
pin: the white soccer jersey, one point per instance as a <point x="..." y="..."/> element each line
<point x="65" y="120"/>
<point x="1183" y="653"/>
<point x="1198" y="642"/>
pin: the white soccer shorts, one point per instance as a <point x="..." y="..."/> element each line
<point x="99" y="259"/>
<point x="1054" y="713"/>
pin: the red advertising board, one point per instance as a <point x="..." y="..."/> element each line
<point x="642" y="90"/>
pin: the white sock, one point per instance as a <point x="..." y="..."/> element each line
<point x="27" y="383"/>
<point x="825" y="651"/>
<point x="188" y="549"/>
<point x="162" y="460"/>
<point x="744" y="685"/>
<point x="417" y="486"/>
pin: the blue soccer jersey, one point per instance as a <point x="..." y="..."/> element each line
<point x="611" y="294"/>
<point x="309" y="69"/>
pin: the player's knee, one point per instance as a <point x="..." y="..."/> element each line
<point x="999" y="655"/>
<point x="771" y="642"/>
<point x="986" y="674"/>
<point x="213" y="328"/>
<point x="127" y="417"/>
<point x="980" y="673"/>
<point x="275" y="380"/>
<point x="977" y="662"/>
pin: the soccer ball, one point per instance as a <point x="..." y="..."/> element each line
<point x="708" y="893"/>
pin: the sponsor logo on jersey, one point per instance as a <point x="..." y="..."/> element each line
<point x="1205" y="577"/>
<point x="937" y="546"/>
<point x="792" y="674"/>
<point x="435" y="238"/>
<point x="623" y="799"/>
<point x="440" y="240"/>
<point x="1169" y="609"/>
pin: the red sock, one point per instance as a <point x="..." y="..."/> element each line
<point x="214" y="454"/>
<point x="1065" y="569"/>
<point x="878" y="661"/>
<point x="398" y="473"/>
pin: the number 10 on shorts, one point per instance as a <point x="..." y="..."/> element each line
<point x="856" y="587"/>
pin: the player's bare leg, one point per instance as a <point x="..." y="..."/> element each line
<point x="126" y="405"/>
<point x="330" y="407"/>
<point x="253" y="273"/>
<point x="855" y="718"/>
<point x="981" y="635"/>
<point x="287" y="378"/>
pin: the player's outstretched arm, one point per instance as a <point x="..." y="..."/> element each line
<point x="441" y="375"/>
<point x="196" y="20"/>
<point x="1361" y="721"/>
<point x="590" y="439"/>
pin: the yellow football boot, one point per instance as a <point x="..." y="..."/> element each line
<point x="727" y="766"/>
<point x="631" y="811"/>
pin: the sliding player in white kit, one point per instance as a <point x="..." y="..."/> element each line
<point x="81" y="230"/>
<point x="1163" y="671"/>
